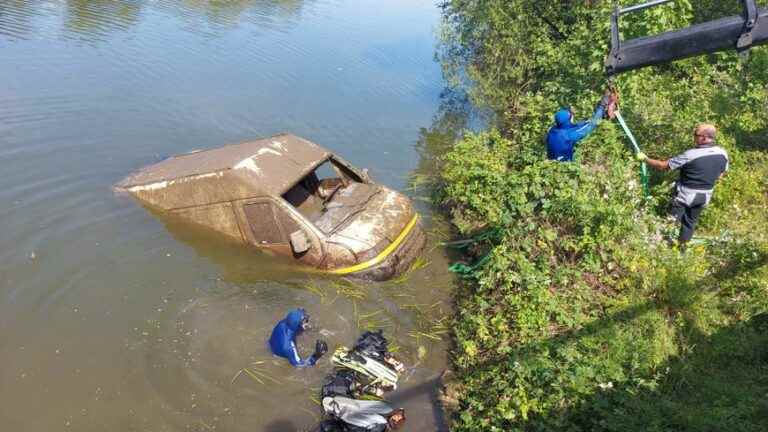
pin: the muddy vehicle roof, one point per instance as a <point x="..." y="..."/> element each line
<point x="266" y="166"/>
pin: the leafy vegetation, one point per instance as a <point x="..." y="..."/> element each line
<point x="584" y="316"/>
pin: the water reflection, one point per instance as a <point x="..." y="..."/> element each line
<point x="227" y="13"/>
<point x="239" y="264"/>
<point x="99" y="17"/>
<point x="453" y="117"/>
<point x="16" y="17"/>
<point x="214" y="18"/>
<point x="94" y="20"/>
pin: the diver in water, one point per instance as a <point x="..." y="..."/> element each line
<point x="283" y="339"/>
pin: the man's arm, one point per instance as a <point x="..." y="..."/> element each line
<point x="297" y="361"/>
<point x="320" y="348"/>
<point x="661" y="165"/>
<point x="582" y="130"/>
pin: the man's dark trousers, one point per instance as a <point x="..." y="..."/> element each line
<point x="687" y="216"/>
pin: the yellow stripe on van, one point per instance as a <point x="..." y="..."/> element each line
<point x="382" y="256"/>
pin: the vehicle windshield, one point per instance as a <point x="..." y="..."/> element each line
<point x="329" y="195"/>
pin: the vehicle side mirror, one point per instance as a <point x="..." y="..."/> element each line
<point x="300" y="242"/>
<point x="366" y="176"/>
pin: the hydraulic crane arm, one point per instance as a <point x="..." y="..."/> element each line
<point x="735" y="32"/>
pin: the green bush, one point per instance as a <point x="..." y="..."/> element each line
<point x="583" y="317"/>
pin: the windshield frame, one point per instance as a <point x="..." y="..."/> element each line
<point x="348" y="174"/>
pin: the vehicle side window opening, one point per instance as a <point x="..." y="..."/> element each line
<point x="311" y="192"/>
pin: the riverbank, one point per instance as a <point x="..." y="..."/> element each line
<point x="582" y="316"/>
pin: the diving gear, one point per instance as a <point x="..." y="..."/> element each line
<point x="373" y="344"/>
<point x="370" y="415"/>
<point x="346" y="382"/>
<point x="342" y="383"/>
<point x="367" y="366"/>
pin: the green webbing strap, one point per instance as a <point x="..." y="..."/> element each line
<point x="643" y="167"/>
<point x="464" y="270"/>
<point x="467" y="270"/>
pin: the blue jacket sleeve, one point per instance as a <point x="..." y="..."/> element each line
<point x="296" y="360"/>
<point x="582" y="130"/>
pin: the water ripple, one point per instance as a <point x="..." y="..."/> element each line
<point x="16" y="17"/>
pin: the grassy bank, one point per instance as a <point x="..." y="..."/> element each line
<point x="583" y="317"/>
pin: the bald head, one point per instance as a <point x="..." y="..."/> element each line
<point x="704" y="134"/>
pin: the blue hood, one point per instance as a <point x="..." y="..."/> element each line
<point x="282" y="342"/>
<point x="293" y="319"/>
<point x="563" y="117"/>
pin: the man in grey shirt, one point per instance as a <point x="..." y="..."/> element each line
<point x="700" y="168"/>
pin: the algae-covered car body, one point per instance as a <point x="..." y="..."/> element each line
<point x="290" y="196"/>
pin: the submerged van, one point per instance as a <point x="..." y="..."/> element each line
<point x="292" y="197"/>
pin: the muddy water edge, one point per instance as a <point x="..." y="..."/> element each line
<point x="113" y="319"/>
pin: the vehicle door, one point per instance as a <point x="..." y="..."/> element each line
<point x="271" y="226"/>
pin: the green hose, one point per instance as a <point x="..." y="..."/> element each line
<point x="643" y="166"/>
<point x="467" y="270"/>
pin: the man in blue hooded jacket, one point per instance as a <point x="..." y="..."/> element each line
<point x="283" y="339"/>
<point x="563" y="137"/>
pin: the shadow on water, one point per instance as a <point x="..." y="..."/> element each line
<point x="430" y="388"/>
<point x="280" y="426"/>
<point x="239" y="264"/>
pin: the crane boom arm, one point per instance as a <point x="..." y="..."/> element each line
<point x="735" y="32"/>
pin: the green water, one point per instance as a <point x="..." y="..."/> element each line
<point x="111" y="320"/>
